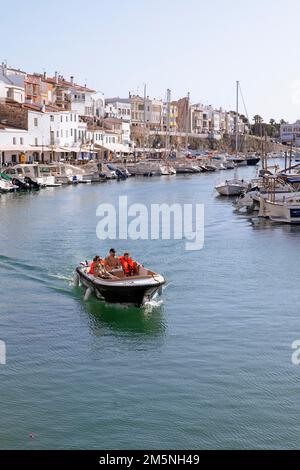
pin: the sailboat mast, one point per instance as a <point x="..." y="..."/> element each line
<point x="237" y="119"/>
<point x="168" y="123"/>
<point x="187" y="122"/>
<point x="144" y="139"/>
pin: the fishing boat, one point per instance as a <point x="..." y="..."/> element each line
<point x="136" y="289"/>
<point x="286" y="210"/>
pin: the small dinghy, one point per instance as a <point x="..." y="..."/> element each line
<point x="118" y="288"/>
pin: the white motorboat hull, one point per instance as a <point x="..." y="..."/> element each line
<point x="230" y="189"/>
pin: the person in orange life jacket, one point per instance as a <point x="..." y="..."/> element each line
<point x="130" y="267"/>
<point x="98" y="267"/>
<point x="94" y="266"/>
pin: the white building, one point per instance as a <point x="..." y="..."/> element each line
<point x="290" y="133"/>
<point x="47" y="131"/>
<point x="11" y="84"/>
<point x="86" y="102"/>
<point x="119" y="108"/>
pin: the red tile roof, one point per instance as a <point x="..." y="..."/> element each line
<point x="66" y="84"/>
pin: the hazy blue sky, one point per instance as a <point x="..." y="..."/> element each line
<point x="186" y="45"/>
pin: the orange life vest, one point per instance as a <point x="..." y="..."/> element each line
<point x="92" y="268"/>
<point x="128" y="264"/>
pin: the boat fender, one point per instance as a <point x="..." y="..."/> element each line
<point x="87" y="294"/>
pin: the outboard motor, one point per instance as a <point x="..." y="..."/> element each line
<point x="32" y="184"/>
<point x="20" y="185"/>
<point x="120" y="174"/>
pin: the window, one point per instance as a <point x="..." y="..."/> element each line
<point x="36" y="141"/>
<point x="57" y="134"/>
<point x="35" y="122"/>
<point x="67" y="119"/>
<point x="14" y="140"/>
<point x="71" y="118"/>
<point x="61" y="133"/>
<point x="51" y="118"/>
<point x="75" y="117"/>
<point x="71" y="132"/>
<point x="61" y="118"/>
<point x="21" y="140"/>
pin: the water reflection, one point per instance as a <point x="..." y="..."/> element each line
<point x="261" y="223"/>
<point x="126" y="320"/>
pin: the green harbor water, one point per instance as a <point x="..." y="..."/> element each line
<point x="207" y="366"/>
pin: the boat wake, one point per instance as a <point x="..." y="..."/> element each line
<point x="152" y="305"/>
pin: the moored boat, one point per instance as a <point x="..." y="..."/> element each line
<point x="234" y="187"/>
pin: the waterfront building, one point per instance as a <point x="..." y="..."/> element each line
<point x="11" y="84"/>
<point x="290" y="133"/>
<point x="48" y="132"/>
<point x="154" y="114"/>
<point x="173" y="117"/>
<point x="196" y="119"/>
<point x="38" y="91"/>
<point x="119" y="108"/>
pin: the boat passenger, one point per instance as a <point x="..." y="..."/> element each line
<point x="130" y="267"/>
<point x="112" y="261"/>
<point x="94" y="265"/>
<point x="98" y="268"/>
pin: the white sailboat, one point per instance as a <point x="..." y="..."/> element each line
<point x="166" y="168"/>
<point x="233" y="187"/>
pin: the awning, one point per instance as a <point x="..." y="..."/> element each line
<point x="77" y="149"/>
<point x="116" y="148"/>
<point x="39" y="148"/>
<point x="14" y="148"/>
<point x="70" y="149"/>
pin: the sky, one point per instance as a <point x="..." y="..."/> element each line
<point x="197" y="46"/>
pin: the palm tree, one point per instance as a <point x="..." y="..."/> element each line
<point x="257" y="119"/>
<point x="257" y="127"/>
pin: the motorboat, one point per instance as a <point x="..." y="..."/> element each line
<point x="252" y="160"/>
<point x="286" y="210"/>
<point x="167" y="169"/>
<point x="238" y="160"/>
<point x="118" y="288"/>
<point x="233" y="187"/>
<point x="7" y="186"/>
<point x="40" y="175"/>
<point x="18" y="184"/>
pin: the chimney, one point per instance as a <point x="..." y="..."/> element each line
<point x="56" y="77"/>
<point x="44" y="75"/>
<point x="72" y="79"/>
<point x="4" y="68"/>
